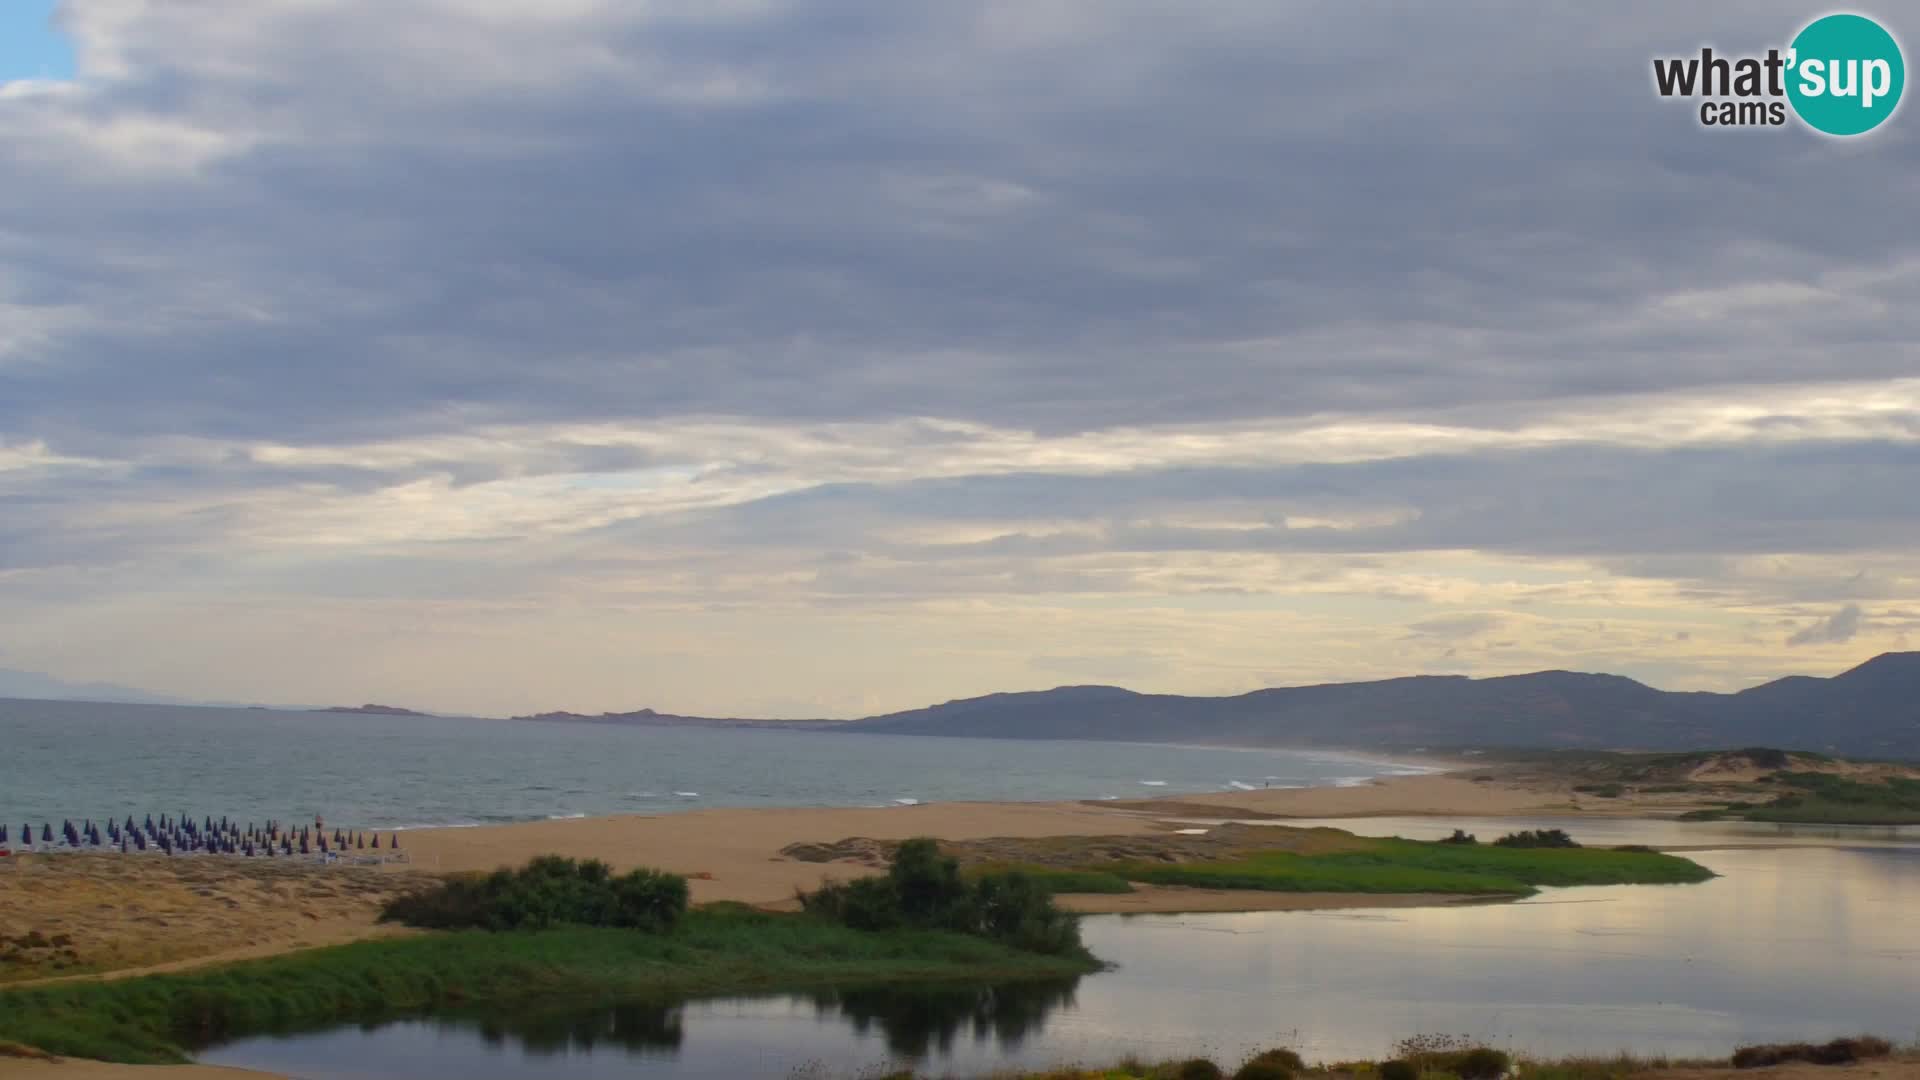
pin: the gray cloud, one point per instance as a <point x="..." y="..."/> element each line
<point x="865" y="209"/>
<point x="1455" y="627"/>
<point x="1840" y="627"/>
<point x="730" y="304"/>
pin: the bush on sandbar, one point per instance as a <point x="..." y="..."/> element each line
<point x="1537" y="838"/>
<point x="1837" y="1052"/>
<point x="924" y="890"/>
<point x="1278" y="1064"/>
<point x="549" y="891"/>
<point x="1398" y="1070"/>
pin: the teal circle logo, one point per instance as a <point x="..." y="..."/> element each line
<point x="1845" y="74"/>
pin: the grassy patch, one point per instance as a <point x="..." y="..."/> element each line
<point x="1812" y="798"/>
<point x="725" y="949"/>
<point x="1410" y="866"/>
<point x="1056" y="881"/>
<point x="1821" y="798"/>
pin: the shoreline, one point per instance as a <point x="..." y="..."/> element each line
<point x="736" y="854"/>
<point x="739" y="854"/>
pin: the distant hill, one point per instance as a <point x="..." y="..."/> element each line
<point x="660" y="719"/>
<point x="33" y="685"/>
<point x="373" y="710"/>
<point x="1871" y="710"/>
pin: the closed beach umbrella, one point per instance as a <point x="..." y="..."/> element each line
<point x="46" y="833"/>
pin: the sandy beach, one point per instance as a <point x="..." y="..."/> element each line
<point x="115" y="916"/>
<point x="735" y="854"/>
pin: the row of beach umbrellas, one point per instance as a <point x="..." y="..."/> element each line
<point x="185" y="834"/>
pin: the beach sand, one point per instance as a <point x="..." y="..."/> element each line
<point x="735" y="854"/>
<point x="134" y="914"/>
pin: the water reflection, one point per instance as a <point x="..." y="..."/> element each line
<point x="918" y="1022"/>
<point x="633" y="1026"/>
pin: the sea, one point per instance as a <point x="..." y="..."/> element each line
<point x="77" y="760"/>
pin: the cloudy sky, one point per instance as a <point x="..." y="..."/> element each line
<point x="819" y="357"/>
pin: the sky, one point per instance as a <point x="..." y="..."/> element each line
<point x="768" y="357"/>
<point x="31" y="46"/>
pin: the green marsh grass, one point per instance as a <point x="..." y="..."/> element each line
<point x="724" y="949"/>
<point x="1410" y="866"/>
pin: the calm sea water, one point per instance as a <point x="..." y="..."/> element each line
<point x="1786" y="944"/>
<point x="78" y="760"/>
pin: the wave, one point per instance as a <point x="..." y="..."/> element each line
<point x="906" y="802"/>
<point x="430" y="825"/>
<point x="1154" y="783"/>
<point x="1241" y="786"/>
<point x="688" y="794"/>
<point x="1352" y="781"/>
<point x="565" y="817"/>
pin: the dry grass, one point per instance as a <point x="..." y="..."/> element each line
<point x="80" y="914"/>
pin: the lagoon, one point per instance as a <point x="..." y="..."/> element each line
<point x="1801" y="942"/>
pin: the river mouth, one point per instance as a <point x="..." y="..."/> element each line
<point x="1787" y="943"/>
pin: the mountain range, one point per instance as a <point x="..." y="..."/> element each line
<point x="1871" y="710"/>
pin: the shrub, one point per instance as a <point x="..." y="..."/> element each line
<point x="869" y="904"/>
<point x="1482" y="1063"/>
<point x="549" y="891"/>
<point x="924" y="890"/>
<point x="1016" y="910"/>
<point x="1837" y="1052"/>
<point x="1398" y="1070"/>
<point x="1276" y="1064"/>
<point x="1461" y="836"/>
<point x="1537" y="838"/>
<point x="1198" y="1069"/>
<point x="1282" y="1057"/>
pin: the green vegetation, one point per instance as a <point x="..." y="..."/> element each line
<point x="1824" y="799"/>
<point x="1450" y="1058"/>
<point x="1410" y="866"/>
<point x="1537" y="838"/>
<point x="1671" y="770"/>
<point x="1837" y="1052"/>
<point x="549" y="891"/>
<point x="924" y="890"/>
<point x="721" y="949"/>
<point x="1055" y="881"/>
